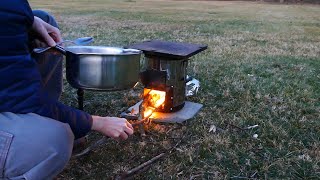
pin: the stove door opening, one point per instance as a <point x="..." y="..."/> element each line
<point x="153" y="100"/>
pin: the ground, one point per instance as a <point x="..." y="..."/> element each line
<point x="262" y="67"/>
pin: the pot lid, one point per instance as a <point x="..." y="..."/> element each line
<point x="101" y="50"/>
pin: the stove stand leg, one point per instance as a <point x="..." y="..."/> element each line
<point x="80" y="94"/>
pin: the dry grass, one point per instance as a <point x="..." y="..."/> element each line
<point x="262" y="67"/>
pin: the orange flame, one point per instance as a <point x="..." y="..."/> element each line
<point x="153" y="99"/>
<point x="148" y="112"/>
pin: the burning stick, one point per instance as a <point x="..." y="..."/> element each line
<point x="152" y="101"/>
<point x="101" y="141"/>
<point x="104" y="139"/>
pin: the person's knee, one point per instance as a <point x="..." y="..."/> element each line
<point x="59" y="151"/>
<point x="46" y="17"/>
<point x="41" y="147"/>
<point x="62" y="143"/>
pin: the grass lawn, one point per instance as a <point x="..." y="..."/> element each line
<point x="262" y="66"/>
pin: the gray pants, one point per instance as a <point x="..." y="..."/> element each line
<point x="33" y="147"/>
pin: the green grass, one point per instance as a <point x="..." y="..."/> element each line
<point x="262" y="66"/>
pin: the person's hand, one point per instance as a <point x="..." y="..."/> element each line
<point x="49" y="34"/>
<point x="116" y="128"/>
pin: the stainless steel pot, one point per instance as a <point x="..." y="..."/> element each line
<point x="101" y="68"/>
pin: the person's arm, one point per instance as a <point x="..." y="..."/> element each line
<point x="79" y="121"/>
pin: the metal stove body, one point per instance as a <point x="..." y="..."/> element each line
<point x="165" y="69"/>
<point x="166" y="75"/>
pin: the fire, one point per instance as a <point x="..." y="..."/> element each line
<point x="148" y="112"/>
<point x="152" y="100"/>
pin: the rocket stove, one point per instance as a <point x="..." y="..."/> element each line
<point x="164" y="78"/>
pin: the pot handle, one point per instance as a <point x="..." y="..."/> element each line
<point x="57" y="47"/>
<point x="133" y="51"/>
<point x="61" y="49"/>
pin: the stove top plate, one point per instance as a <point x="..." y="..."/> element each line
<point x="174" y="50"/>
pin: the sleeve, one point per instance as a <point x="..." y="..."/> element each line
<point x="80" y="122"/>
<point x="28" y="12"/>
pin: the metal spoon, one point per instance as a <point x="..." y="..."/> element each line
<point x="79" y="41"/>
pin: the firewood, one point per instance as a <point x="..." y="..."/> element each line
<point x="146" y="165"/>
<point x="141" y="168"/>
